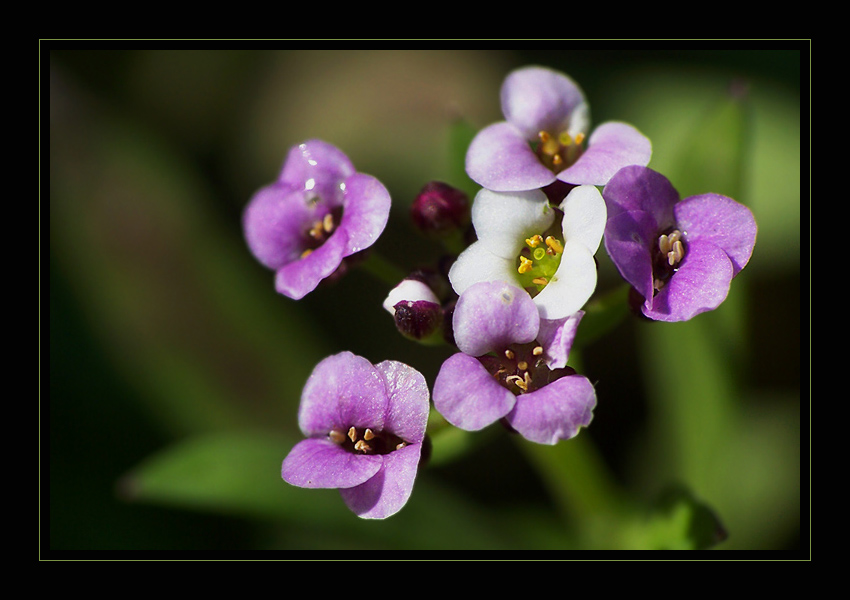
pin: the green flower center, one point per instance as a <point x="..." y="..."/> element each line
<point x="538" y="262"/>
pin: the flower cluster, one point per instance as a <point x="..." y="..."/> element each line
<point x="507" y="299"/>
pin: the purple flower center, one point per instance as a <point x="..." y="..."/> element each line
<point x="320" y="230"/>
<point x="366" y="441"/>
<point x="521" y="369"/>
<point x="558" y="151"/>
<point x="666" y="256"/>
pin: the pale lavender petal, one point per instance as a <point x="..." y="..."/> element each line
<point x="467" y="395"/>
<point x="556" y="411"/>
<point x="490" y="316"/>
<point x="721" y="221"/>
<point x="572" y="285"/>
<point x="628" y="239"/>
<point x="315" y="161"/>
<point x="700" y="284"/>
<point x="503" y="220"/>
<point x="300" y="277"/>
<point x="476" y="264"/>
<point x="366" y="211"/>
<point x="275" y="223"/>
<point x="639" y="188"/>
<point x="320" y="463"/>
<point x="611" y="147"/>
<point x="557" y="336"/>
<point x="407" y="391"/>
<point x="585" y="216"/>
<point x="499" y="158"/>
<point x="538" y="99"/>
<point x="389" y="490"/>
<point x="344" y="390"/>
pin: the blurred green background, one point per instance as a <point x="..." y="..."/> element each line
<point x="175" y="369"/>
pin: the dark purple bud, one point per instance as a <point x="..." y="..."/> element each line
<point x="440" y="210"/>
<point x="419" y="320"/>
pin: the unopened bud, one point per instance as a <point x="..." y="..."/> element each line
<point x="420" y="320"/>
<point x="440" y="210"/>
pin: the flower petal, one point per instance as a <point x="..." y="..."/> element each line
<point x="628" y="239"/>
<point x="490" y="316"/>
<point x="275" y="223"/>
<point x="572" y="285"/>
<point x="320" y="463"/>
<point x="499" y="158"/>
<point x="407" y="392"/>
<point x="315" y="163"/>
<point x="389" y="490"/>
<point x="722" y="221"/>
<point x="410" y="290"/>
<point x="344" y="390"/>
<point x="300" y="277"/>
<point x="556" y="411"/>
<point x="467" y="395"/>
<point x="585" y="216"/>
<point x="639" y="188"/>
<point x="365" y="213"/>
<point x="538" y="99"/>
<point x="557" y="336"/>
<point x="476" y="264"/>
<point x="503" y="221"/>
<point x="611" y="147"/>
<point x="700" y="284"/>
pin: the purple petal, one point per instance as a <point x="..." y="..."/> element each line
<point x="490" y="316"/>
<point x="366" y="211"/>
<point x="722" y="221"/>
<point x="611" y="147"/>
<point x="320" y="463"/>
<point x="300" y="277"/>
<point x="538" y="99"/>
<point x="556" y="336"/>
<point x="408" y="397"/>
<point x="556" y="411"/>
<point x="275" y="223"/>
<point x="639" y="188"/>
<point x="500" y="159"/>
<point x="315" y="162"/>
<point x="344" y="390"/>
<point x="467" y="395"/>
<point x="628" y="239"/>
<point x="700" y="284"/>
<point x="389" y="490"/>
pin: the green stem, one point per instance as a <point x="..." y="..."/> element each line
<point x="382" y="269"/>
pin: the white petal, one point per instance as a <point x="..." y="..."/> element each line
<point x="409" y="289"/>
<point x="503" y="220"/>
<point x="477" y="263"/>
<point x="585" y="216"/>
<point x="571" y="287"/>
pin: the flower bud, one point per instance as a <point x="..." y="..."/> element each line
<point x="440" y="210"/>
<point x="419" y="320"/>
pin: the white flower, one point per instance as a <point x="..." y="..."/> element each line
<point x="547" y="251"/>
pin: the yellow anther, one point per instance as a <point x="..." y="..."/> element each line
<point x="368" y="435"/>
<point x="522" y="365"/>
<point x="676" y="254"/>
<point x="525" y="265"/>
<point x="328" y="223"/>
<point x="534" y="240"/>
<point x="579" y="138"/>
<point x="362" y="446"/>
<point x="540" y="280"/>
<point x="554" y="244"/>
<point x="352" y="434"/>
<point x="557" y="160"/>
<point x="306" y="253"/>
<point x="549" y="145"/>
<point x="538" y="350"/>
<point x="400" y="445"/>
<point x="337" y="437"/>
<point x="316" y="230"/>
<point x="509" y="354"/>
<point x="663" y="244"/>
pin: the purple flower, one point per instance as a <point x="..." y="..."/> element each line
<point x="541" y="140"/>
<point x="512" y="366"/>
<point x="317" y="213"/>
<point x="679" y="256"/>
<point x="365" y="426"/>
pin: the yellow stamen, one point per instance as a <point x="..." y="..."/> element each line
<point x="555" y="245"/>
<point x="579" y="138"/>
<point x="522" y="365"/>
<point x="368" y="435"/>
<point x="352" y="434"/>
<point x="362" y="446"/>
<point x="525" y="265"/>
<point x="337" y="437"/>
<point x="509" y="354"/>
<point x="534" y="240"/>
<point x="328" y="223"/>
<point x="540" y="280"/>
<point x="538" y="350"/>
<point x="306" y="253"/>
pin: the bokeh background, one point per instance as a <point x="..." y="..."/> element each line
<point x="175" y="370"/>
